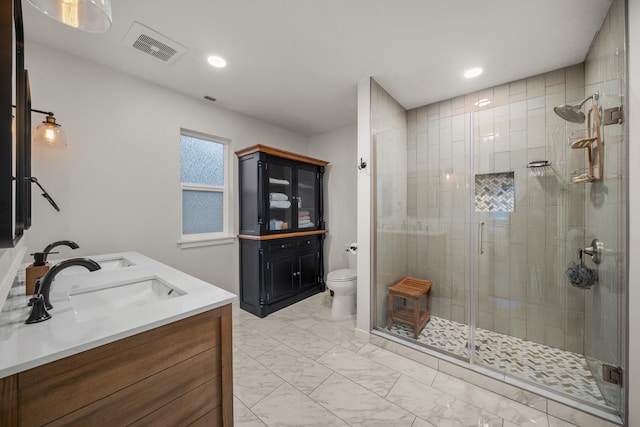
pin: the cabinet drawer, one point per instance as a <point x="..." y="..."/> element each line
<point x="308" y="242"/>
<point x="280" y="245"/>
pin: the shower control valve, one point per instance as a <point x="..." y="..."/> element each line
<point x="596" y="250"/>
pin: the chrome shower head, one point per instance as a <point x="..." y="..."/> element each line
<point x="573" y="113"/>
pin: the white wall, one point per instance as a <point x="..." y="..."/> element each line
<point x="364" y="207"/>
<point x="339" y="148"/>
<point x="118" y="182"/>
<point x="633" y="22"/>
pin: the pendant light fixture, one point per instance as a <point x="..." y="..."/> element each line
<point x="87" y="15"/>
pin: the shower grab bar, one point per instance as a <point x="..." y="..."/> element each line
<point x="480" y="236"/>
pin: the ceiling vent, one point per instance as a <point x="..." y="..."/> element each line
<point x="154" y="44"/>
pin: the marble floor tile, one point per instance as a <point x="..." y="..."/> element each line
<point x="286" y="406"/>
<point x="401" y="364"/>
<point x="419" y="422"/>
<point x="243" y="417"/>
<point x="304" y="342"/>
<point x="296" y="317"/>
<point x="556" y="422"/>
<point x="348" y="322"/>
<point x="252" y="381"/>
<point x="299" y="367"/>
<point x="270" y="326"/>
<point x="331" y="331"/>
<point x="365" y="372"/>
<point x="252" y="341"/>
<point x="323" y="314"/>
<point x="504" y="408"/>
<point x="573" y="416"/>
<point x="296" y="369"/>
<point x="359" y="406"/>
<point x="437" y="407"/>
<point x="315" y="303"/>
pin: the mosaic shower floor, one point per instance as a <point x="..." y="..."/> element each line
<point x="557" y="369"/>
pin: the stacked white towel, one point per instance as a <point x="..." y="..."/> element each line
<point x="278" y="181"/>
<point x="282" y="204"/>
<point x="278" y="196"/>
<point x="279" y="200"/>
<point x="304" y="219"/>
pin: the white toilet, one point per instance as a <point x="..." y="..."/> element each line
<point x="343" y="283"/>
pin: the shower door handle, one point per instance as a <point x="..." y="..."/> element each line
<point x="480" y="236"/>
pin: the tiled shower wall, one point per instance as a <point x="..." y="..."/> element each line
<point x="521" y="286"/>
<point x="389" y="136"/>
<point x="606" y="201"/>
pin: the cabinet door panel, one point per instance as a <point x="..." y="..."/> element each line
<point x="307" y="197"/>
<point x="308" y="266"/>
<point x="280" y="199"/>
<point x="281" y="281"/>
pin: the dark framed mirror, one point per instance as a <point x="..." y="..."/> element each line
<point x="15" y="142"/>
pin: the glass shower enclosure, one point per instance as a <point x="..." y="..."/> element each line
<point x="486" y="196"/>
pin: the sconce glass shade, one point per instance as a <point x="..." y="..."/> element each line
<point x="50" y="133"/>
<point x="87" y="15"/>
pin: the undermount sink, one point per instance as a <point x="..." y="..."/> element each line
<point x="105" y="264"/>
<point x="91" y="303"/>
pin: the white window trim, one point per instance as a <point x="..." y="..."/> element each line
<point x="226" y="236"/>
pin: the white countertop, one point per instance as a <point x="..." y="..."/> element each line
<point x="25" y="346"/>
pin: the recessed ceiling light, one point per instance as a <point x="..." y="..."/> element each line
<point x="473" y="72"/>
<point x="483" y="102"/>
<point x="217" y="61"/>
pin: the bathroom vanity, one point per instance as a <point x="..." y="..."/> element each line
<point x="160" y="354"/>
<point x="282" y="228"/>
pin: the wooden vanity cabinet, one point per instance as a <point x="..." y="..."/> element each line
<point x="282" y="228"/>
<point x="177" y="374"/>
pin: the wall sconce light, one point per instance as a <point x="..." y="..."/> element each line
<point x="87" y="15"/>
<point x="48" y="132"/>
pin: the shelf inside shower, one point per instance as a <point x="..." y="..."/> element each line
<point x="586" y="139"/>
<point x="561" y="370"/>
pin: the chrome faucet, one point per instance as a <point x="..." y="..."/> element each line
<point x="40" y="299"/>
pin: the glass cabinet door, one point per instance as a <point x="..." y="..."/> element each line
<point x="307" y="199"/>
<point x="281" y="201"/>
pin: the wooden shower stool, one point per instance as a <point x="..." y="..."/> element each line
<point x="412" y="289"/>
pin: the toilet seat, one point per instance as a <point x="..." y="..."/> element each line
<point x="343" y="275"/>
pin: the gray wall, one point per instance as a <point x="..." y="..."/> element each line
<point x="118" y="182"/>
<point x="520" y="279"/>
<point x="339" y="148"/>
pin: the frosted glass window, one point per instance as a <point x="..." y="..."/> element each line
<point x="202" y="161"/>
<point x="205" y="187"/>
<point x="202" y="212"/>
